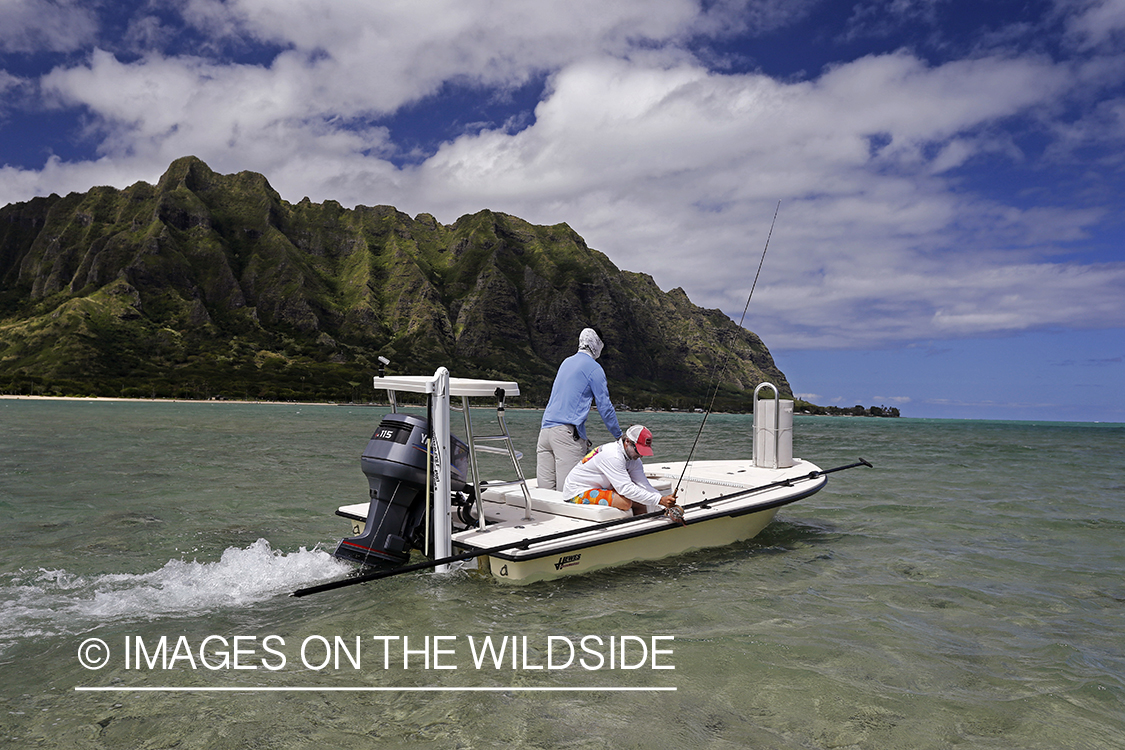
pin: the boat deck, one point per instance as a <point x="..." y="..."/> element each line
<point x="713" y="489"/>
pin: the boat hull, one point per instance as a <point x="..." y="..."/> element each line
<point x="724" y="502"/>
<point x="674" y="540"/>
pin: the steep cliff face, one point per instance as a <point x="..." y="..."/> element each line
<point x="208" y="284"/>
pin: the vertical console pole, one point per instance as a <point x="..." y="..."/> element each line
<point x="442" y="516"/>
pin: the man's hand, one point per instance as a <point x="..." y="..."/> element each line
<point x="668" y="501"/>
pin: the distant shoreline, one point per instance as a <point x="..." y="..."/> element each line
<point x="10" y="397"/>
<point x="228" y="401"/>
<point x="110" y="399"/>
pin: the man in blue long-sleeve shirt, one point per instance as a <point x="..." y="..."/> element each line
<point x="562" y="435"/>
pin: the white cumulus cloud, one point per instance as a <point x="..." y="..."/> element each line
<point x="45" y="25"/>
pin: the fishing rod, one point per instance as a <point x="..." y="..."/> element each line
<point x="524" y="543"/>
<point x="716" y="372"/>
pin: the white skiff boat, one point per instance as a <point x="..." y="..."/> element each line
<point x="423" y="487"/>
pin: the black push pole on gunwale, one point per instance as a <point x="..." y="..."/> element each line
<point x="376" y="575"/>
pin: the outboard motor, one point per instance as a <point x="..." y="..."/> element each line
<point x="395" y="464"/>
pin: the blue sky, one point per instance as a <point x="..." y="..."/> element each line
<point x="951" y="174"/>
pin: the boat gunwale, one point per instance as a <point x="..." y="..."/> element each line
<point x="523" y="553"/>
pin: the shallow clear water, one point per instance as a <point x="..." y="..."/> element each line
<point x="967" y="592"/>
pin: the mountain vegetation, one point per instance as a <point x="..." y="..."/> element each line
<point x="212" y="286"/>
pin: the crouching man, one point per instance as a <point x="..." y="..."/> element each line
<point x="612" y="474"/>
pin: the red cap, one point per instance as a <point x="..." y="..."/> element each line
<point x="642" y="437"/>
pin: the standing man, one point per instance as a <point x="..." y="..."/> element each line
<point x="562" y="435"/>
<point x="614" y="475"/>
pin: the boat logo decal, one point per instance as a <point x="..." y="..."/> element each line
<point x="567" y="561"/>
<point x="504" y="570"/>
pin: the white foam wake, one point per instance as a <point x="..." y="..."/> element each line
<point x="50" y="602"/>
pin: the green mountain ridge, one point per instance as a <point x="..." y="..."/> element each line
<point x="209" y="285"/>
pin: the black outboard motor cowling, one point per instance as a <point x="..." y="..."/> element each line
<point x="395" y="464"/>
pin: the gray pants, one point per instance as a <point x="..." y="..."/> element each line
<point x="556" y="453"/>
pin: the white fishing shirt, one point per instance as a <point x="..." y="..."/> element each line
<point x="607" y="467"/>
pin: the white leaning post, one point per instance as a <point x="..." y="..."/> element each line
<point x="442" y="515"/>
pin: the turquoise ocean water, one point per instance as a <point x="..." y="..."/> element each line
<point x="967" y="592"/>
